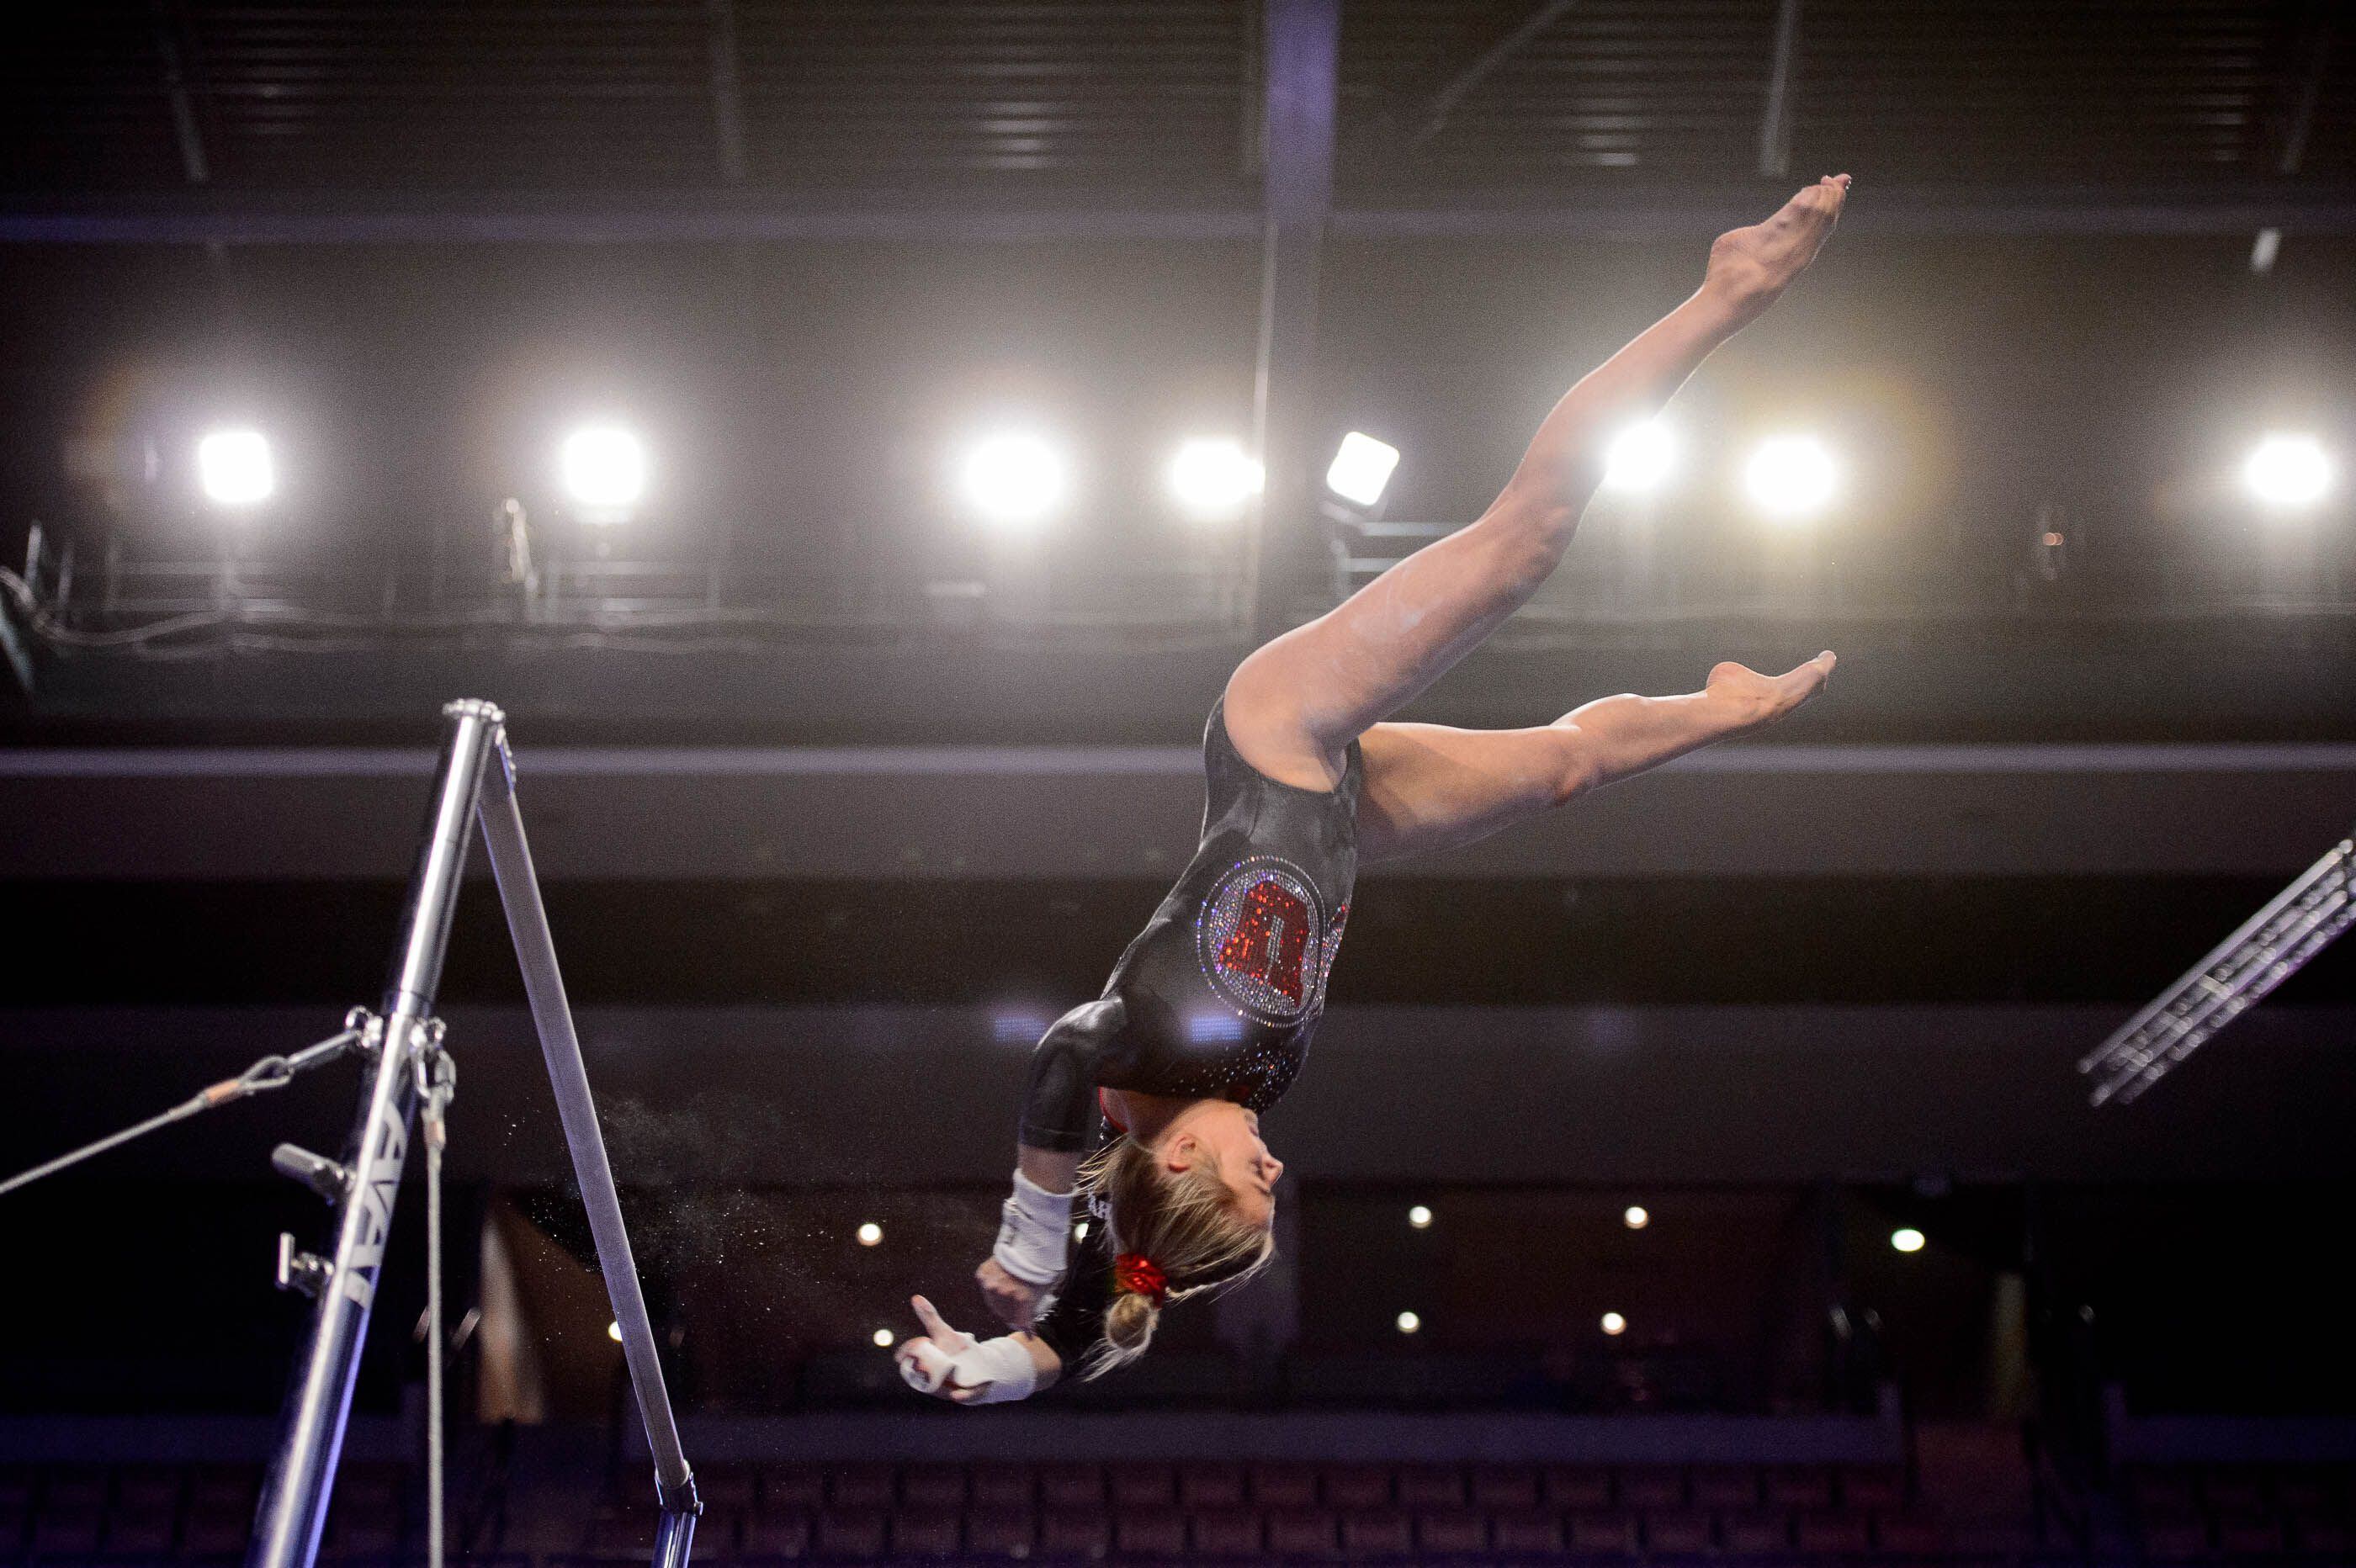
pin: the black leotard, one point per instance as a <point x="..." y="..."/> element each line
<point x="1217" y="995"/>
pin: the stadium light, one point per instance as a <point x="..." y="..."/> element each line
<point x="1789" y="477"/>
<point x="1213" y="478"/>
<point x="605" y="469"/>
<point x="233" y="468"/>
<point x="1640" y="458"/>
<point x="1361" y="469"/>
<point x="2288" y="471"/>
<point x="1013" y="480"/>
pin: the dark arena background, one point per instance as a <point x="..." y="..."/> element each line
<point x="851" y="443"/>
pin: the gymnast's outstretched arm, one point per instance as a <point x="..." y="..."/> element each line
<point x="1294" y="706"/>
<point x="1429" y="786"/>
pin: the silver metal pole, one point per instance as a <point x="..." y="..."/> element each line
<point x="295" y="1499"/>
<point x="543" y="984"/>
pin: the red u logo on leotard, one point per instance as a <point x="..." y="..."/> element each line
<point x="1262" y="940"/>
<point x="1270" y="940"/>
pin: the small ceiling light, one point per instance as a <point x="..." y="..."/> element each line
<point x="870" y="1233"/>
<point x="1789" y="477"/>
<point x="605" y="469"/>
<point x="1361" y="469"/>
<point x="1419" y="1217"/>
<point x="1640" y="457"/>
<point x="1635" y="1217"/>
<point x="1013" y="480"/>
<point x="1080" y="1232"/>
<point x="1214" y="479"/>
<point x="1408" y="1323"/>
<point x="233" y="468"/>
<point x="1906" y="1239"/>
<point x="614" y="1332"/>
<point x="884" y="1338"/>
<point x="1614" y="1324"/>
<point x="2288" y="471"/>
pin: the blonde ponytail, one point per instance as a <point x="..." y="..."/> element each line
<point x="1129" y="1323"/>
<point x="1183" y="1224"/>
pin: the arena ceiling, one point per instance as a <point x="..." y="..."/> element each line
<point x="702" y="118"/>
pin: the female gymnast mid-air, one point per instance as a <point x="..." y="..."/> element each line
<point x="1208" y="1013"/>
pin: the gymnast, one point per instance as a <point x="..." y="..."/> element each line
<point x="1208" y="1013"/>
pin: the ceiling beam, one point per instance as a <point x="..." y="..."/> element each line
<point x="185" y="129"/>
<point x="2316" y="63"/>
<point x="1302" y="73"/>
<point x="1775" y="121"/>
<point x="1432" y="115"/>
<point x="923" y="814"/>
<point x="727" y="92"/>
<point x="721" y="215"/>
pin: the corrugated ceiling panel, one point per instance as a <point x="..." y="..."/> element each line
<point x="82" y="101"/>
<point x="491" y="92"/>
<point x="1006" y="93"/>
<point x="1657" y="88"/>
<point x="2142" y="90"/>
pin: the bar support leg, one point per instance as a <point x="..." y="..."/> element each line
<point x="295" y="1499"/>
<point x="510" y="855"/>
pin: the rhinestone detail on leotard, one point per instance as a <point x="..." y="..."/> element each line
<point x="1260" y="939"/>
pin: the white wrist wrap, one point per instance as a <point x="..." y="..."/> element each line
<point x="996" y="1371"/>
<point x="1034" y="1228"/>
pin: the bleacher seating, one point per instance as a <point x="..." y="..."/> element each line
<point x="2240" y="1512"/>
<point x="1147" y="1511"/>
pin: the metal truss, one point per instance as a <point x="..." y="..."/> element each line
<point x="2297" y="924"/>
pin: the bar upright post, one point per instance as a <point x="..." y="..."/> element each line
<point x="295" y="1499"/>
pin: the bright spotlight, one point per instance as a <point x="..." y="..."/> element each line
<point x="2288" y="471"/>
<point x="605" y="469"/>
<point x="884" y="1338"/>
<point x="1640" y="458"/>
<point x="1614" y="1324"/>
<point x="1361" y="469"/>
<point x="233" y="468"/>
<point x="870" y="1233"/>
<point x="1791" y="476"/>
<point x="614" y="1332"/>
<point x="1408" y="1323"/>
<point x="1012" y="480"/>
<point x="1635" y="1217"/>
<point x="1906" y="1239"/>
<point x="1214" y="479"/>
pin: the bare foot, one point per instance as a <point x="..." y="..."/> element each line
<point x="1749" y="267"/>
<point x="1757" y="699"/>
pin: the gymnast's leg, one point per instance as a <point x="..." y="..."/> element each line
<point x="1430" y="786"/>
<point x="1294" y="706"/>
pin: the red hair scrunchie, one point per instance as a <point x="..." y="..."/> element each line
<point x="1140" y="1275"/>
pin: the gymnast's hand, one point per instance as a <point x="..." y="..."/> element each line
<point x="953" y="1366"/>
<point x="924" y="1359"/>
<point x="1754" y="700"/>
<point x="1014" y="1302"/>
